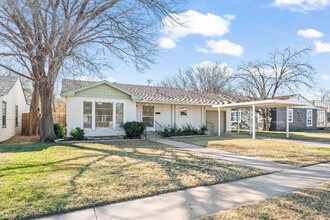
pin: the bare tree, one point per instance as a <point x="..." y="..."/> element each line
<point x="206" y="78"/>
<point x="43" y="38"/>
<point x="324" y="95"/>
<point x="285" y="71"/>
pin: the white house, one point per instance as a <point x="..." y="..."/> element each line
<point x="13" y="104"/>
<point x="101" y="108"/>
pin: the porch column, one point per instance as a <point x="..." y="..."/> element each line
<point x="114" y="121"/>
<point x="219" y="122"/>
<point x="93" y="115"/>
<point x="238" y="120"/>
<point x="253" y="121"/>
<point x="287" y="122"/>
<point x="250" y="124"/>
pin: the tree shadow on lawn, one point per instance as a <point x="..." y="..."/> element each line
<point x="24" y="147"/>
<point x="177" y="164"/>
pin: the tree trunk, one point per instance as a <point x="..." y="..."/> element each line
<point x="265" y="116"/>
<point x="34" y="116"/>
<point x="47" y="133"/>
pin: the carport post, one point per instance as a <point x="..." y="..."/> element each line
<point x="287" y="121"/>
<point x="219" y="122"/>
<point x="250" y="124"/>
<point x="238" y="120"/>
<point x="253" y="121"/>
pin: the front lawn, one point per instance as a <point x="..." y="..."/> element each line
<point x="322" y="136"/>
<point x="290" y="153"/>
<point x="38" y="179"/>
<point x="311" y="204"/>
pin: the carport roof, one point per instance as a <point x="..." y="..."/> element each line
<point x="272" y="103"/>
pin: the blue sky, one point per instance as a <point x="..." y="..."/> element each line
<point x="233" y="31"/>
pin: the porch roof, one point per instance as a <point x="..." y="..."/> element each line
<point x="271" y="103"/>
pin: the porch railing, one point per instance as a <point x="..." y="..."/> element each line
<point x="210" y="126"/>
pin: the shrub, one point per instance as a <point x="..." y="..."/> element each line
<point x="59" y="130"/>
<point x="169" y="131"/>
<point x="187" y="129"/>
<point x="203" y="129"/>
<point x="134" y="129"/>
<point x="77" y="134"/>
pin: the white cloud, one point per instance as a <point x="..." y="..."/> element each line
<point x="302" y="5"/>
<point x="222" y="47"/>
<point x="230" y="17"/>
<point x="166" y="43"/>
<point x="192" y="22"/>
<point x="321" y="47"/>
<point x="325" y="77"/>
<point x="84" y="78"/>
<point x="204" y="63"/>
<point x="110" y="79"/>
<point x="310" y="33"/>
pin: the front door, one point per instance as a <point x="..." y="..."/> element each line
<point x="148" y="116"/>
<point x="212" y="121"/>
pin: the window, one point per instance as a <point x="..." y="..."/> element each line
<point x="119" y="114"/>
<point x="309" y="117"/>
<point x="104" y="115"/>
<point x="233" y="116"/>
<point x="328" y="116"/>
<point x="4" y="114"/>
<point x="290" y="115"/>
<point x="88" y="114"/>
<point x="148" y="116"/>
<point x="16" y="115"/>
<point x="184" y="111"/>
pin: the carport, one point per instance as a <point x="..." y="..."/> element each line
<point x="263" y="104"/>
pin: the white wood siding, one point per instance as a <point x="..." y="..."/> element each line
<point x="13" y="98"/>
<point x="74" y="108"/>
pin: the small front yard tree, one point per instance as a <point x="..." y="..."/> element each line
<point x="41" y="39"/>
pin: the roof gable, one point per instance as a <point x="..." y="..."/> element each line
<point x="297" y="98"/>
<point x="102" y="89"/>
<point x="6" y="84"/>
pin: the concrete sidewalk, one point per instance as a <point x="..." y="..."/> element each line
<point x="201" y="201"/>
<point x="266" y="165"/>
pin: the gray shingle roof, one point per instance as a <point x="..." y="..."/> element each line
<point x="155" y="94"/>
<point x="6" y="83"/>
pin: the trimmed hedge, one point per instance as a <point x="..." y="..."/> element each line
<point x="185" y="130"/>
<point x="134" y="129"/>
<point x="77" y="134"/>
<point x="59" y="130"/>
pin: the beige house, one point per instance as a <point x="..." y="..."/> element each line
<point x="13" y="104"/>
<point x="101" y="108"/>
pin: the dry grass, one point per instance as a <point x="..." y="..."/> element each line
<point x="322" y="136"/>
<point x="311" y="204"/>
<point x="22" y="139"/>
<point x="38" y="179"/>
<point x="290" y="153"/>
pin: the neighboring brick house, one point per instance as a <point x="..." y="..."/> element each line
<point x="300" y="118"/>
<point x="306" y="117"/>
<point x="13" y="104"/>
